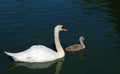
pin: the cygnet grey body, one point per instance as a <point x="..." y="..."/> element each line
<point x="77" y="47"/>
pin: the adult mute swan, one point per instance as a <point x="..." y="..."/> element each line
<point x="77" y="47"/>
<point x="40" y="53"/>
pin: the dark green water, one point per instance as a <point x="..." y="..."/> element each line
<point x="24" y="23"/>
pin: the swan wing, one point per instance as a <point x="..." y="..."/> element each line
<point x="36" y="53"/>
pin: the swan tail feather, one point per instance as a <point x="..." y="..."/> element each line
<point x="8" y="53"/>
<point x="12" y="55"/>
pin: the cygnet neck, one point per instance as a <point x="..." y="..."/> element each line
<point x="81" y="42"/>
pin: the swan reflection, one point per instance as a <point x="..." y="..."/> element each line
<point x="37" y="65"/>
<point x="82" y="54"/>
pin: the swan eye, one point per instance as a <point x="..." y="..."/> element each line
<point x="64" y="29"/>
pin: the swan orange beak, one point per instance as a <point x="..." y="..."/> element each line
<point x="64" y="29"/>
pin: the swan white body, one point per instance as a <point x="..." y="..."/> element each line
<point x="40" y="53"/>
<point x="77" y="47"/>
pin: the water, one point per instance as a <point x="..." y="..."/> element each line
<point x="24" y="23"/>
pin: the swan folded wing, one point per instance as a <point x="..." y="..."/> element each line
<point x="37" y="53"/>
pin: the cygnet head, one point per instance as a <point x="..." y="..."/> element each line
<point x="82" y="38"/>
<point x="60" y="28"/>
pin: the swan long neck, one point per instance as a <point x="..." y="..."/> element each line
<point x="82" y="43"/>
<point x="59" y="48"/>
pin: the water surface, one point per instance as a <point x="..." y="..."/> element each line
<point x="24" y="23"/>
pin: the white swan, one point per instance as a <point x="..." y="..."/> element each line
<point x="77" y="47"/>
<point x="40" y="53"/>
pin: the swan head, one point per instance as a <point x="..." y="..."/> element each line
<point x="82" y="38"/>
<point x="61" y="28"/>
